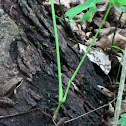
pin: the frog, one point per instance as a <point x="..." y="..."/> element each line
<point x="7" y="89"/>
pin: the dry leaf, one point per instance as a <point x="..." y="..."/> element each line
<point x="98" y="57"/>
<point x="66" y="3"/>
<point x="116" y="15"/>
<point x="77" y="28"/>
<point x="106" y="40"/>
<point x="61" y="121"/>
<point x="102" y="6"/>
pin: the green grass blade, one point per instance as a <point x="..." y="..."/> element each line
<point x="57" y="51"/>
<point x="72" y="78"/>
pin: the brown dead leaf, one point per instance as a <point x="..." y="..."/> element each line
<point x="66" y="3"/>
<point x="61" y="121"/>
<point x="116" y="15"/>
<point x="107" y="36"/>
<point x="97" y="56"/>
<point x="102" y="6"/>
<point x="78" y="29"/>
<point x="97" y="21"/>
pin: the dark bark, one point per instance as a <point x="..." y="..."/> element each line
<point x="37" y="67"/>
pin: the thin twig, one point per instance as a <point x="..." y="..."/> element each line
<point x="120" y="91"/>
<point x="54" y="121"/>
<point x="109" y="79"/>
<point x="89" y="112"/>
<point x="21" y="113"/>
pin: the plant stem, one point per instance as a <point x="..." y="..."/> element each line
<point x="115" y="33"/>
<point x="113" y="44"/>
<point x="57" y="110"/>
<point x="58" y="53"/>
<point x="66" y="23"/>
<point x="118" y="72"/>
<point x="120" y="91"/>
<point x="62" y="12"/>
<point x="59" y="105"/>
<point x="82" y="60"/>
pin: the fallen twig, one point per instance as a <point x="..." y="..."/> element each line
<point x="90" y="111"/>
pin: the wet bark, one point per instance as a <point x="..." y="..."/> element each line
<point x="23" y="23"/>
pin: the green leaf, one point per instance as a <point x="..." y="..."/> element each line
<point x="119" y="5"/>
<point x="39" y="45"/>
<point x="88" y="15"/>
<point x="112" y="1"/>
<point x="93" y="9"/>
<point x="123" y="115"/>
<point x="122" y="121"/>
<point x="118" y="2"/>
<point x="76" y="10"/>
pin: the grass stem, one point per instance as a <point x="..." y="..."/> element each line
<point x="58" y="52"/>
<point x="82" y="60"/>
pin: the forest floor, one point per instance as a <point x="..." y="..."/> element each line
<point x="28" y="65"/>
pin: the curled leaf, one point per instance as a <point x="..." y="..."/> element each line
<point x="119" y="48"/>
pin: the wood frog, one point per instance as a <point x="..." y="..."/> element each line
<point x="7" y="89"/>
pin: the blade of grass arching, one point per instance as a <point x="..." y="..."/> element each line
<point x="57" y="51"/>
<point x="82" y="60"/>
